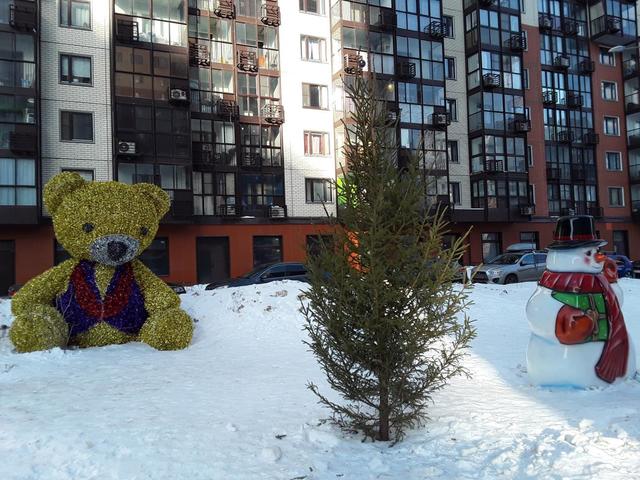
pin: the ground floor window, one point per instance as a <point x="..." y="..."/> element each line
<point x="156" y="256"/>
<point x="491" y="245"/>
<point x="621" y="242"/>
<point x="266" y="249"/>
<point x="530" y="237"/>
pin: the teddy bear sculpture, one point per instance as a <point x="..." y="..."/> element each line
<point x="102" y="295"/>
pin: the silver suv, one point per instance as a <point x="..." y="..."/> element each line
<point x="512" y="267"/>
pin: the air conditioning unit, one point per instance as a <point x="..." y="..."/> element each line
<point x="561" y="61"/>
<point x="207" y="147"/>
<point x="527" y="210"/>
<point x="276" y="211"/>
<point x="440" y="119"/>
<point x="179" y="94"/>
<point x="127" y="148"/>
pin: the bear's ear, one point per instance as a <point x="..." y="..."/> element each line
<point x="59" y="187"/>
<point x="158" y="197"/>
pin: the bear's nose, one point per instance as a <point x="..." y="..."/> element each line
<point x="116" y="250"/>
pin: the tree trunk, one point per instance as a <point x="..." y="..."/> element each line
<point x="384" y="412"/>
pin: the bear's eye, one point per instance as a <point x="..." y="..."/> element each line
<point x="87" y="227"/>
<point x="144" y="231"/>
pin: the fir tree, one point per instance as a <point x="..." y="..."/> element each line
<point x="382" y="313"/>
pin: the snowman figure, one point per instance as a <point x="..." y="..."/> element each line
<point x="578" y="334"/>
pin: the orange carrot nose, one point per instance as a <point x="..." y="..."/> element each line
<point x="600" y="257"/>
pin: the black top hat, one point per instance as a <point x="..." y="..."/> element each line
<point x="575" y="232"/>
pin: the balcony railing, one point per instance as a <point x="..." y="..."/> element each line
<point x="273" y="113"/>
<point x="228" y="109"/>
<point x="225" y="9"/>
<point x="406" y="70"/>
<point x="494" y="166"/>
<point x="569" y="27"/>
<point x="491" y="80"/>
<point x="270" y="13"/>
<point x="247" y="61"/>
<point x="517" y="42"/>
<point x="549" y="97"/>
<point x="436" y="29"/>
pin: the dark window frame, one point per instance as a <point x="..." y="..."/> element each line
<point x="450" y="67"/>
<point x="535" y="235"/>
<point x="69" y="8"/>
<point x="327" y="190"/>
<point x="74" y="140"/>
<point x="163" y="261"/>
<point x="302" y="4"/>
<point x="69" y="59"/>
<point x="80" y="171"/>
<point x="260" y="260"/>
<point x="497" y="241"/>
<point x="453" y="158"/>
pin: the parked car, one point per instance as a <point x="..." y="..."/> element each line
<point x="512" y="267"/>
<point x="636" y="269"/>
<point x="11" y="291"/>
<point x="177" y="288"/>
<point x="267" y="273"/>
<point x="625" y="266"/>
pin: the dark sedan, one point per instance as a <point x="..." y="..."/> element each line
<point x="267" y="273"/>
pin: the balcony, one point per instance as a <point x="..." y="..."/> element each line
<point x="550" y="97"/>
<point x="228" y="109"/>
<point x="273" y="113"/>
<point x="609" y="31"/>
<point x="199" y="55"/>
<point x="225" y="9"/>
<point x="577" y="172"/>
<point x="181" y="204"/>
<point x="569" y="27"/>
<point x="491" y="80"/>
<point x="437" y="30"/>
<point x="517" y="42"/>
<point x="574" y="100"/>
<point x="553" y="173"/>
<point x="493" y="166"/>
<point x="586" y="66"/>
<point x="591" y="138"/>
<point x="127" y="31"/>
<point x="270" y="13"/>
<point x="406" y="70"/>
<point x="633" y="138"/>
<point x="23" y="143"/>
<point x="353" y="64"/>
<point x="561" y="61"/>
<point x="23" y="16"/>
<point x="545" y="22"/>
<point x="247" y="61"/>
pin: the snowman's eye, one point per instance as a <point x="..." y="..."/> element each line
<point x="588" y="253"/>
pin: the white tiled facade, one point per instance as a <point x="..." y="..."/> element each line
<point x="57" y="155"/>
<point x="295" y="72"/>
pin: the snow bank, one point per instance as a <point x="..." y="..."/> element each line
<point x="234" y="405"/>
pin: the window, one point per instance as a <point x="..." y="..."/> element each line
<point x="613" y="161"/>
<point x="316" y="143"/>
<point x="616" y="197"/>
<point x="313" y="49"/>
<point x="452" y="109"/>
<point x="525" y="78"/>
<point x="448" y="26"/>
<point x="450" y="68"/>
<point x="312" y="6"/>
<point x="75" y="69"/>
<point x="76" y="126"/>
<point x="452" y="150"/>
<point x="611" y="126"/>
<point x="85" y="174"/>
<point x="266" y="250"/>
<point x="607" y="58"/>
<point x="609" y="90"/>
<point x="530" y="155"/>
<point x="75" y="14"/>
<point x="621" y="242"/>
<point x="491" y="246"/>
<point x="530" y="237"/>
<point x="203" y="193"/>
<point x="315" y="96"/>
<point x="17" y="181"/>
<point x="318" y="190"/>
<point x="156" y="256"/>
<point x="454" y="193"/>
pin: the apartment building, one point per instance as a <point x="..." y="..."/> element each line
<point x="237" y="109"/>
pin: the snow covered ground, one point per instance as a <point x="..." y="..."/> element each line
<point x="234" y="406"/>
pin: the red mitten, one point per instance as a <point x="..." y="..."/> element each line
<point x="573" y="325"/>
